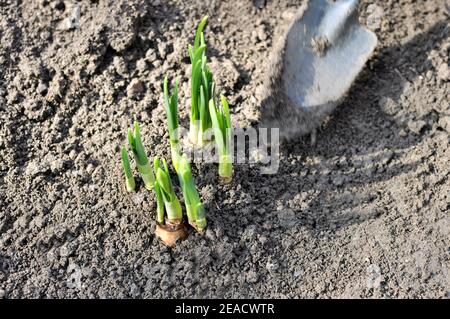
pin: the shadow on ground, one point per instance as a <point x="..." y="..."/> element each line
<point x="328" y="186"/>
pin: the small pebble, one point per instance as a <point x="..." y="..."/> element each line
<point x="162" y="49"/>
<point x="252" y="277"/>
<point x="443" y="72"/>
<point x="42" y="88"/>
<point x="416" y="126"/>
<point x="135" y="88"/>
<point x="150" y="55"/>
<point x="272" y="266"/>
<point x="120" y="66"/>
<point x="261" y="32"/>
<point x="141" y="65"/>
<point x="375" y="16"/>
<point x="388" y="105"/>
<point x="338" y="180"/>
<point x="209" y="234"/>
<point x="287" y="218"/>
<point x="402" y="133"/>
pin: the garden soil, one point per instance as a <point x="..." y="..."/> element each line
<point x="363" y="214"/>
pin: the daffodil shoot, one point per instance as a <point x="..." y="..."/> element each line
<point x="129" y="178"/>
<point x="221" y="124"/>
<point x="202" y="88"/>
<point x="140" y="156"/>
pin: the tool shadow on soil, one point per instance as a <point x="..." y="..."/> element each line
<point x="359" y="146"/>
<point x="375" y="139"/>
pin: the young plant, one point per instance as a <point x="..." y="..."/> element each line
<point x="170" y="199"/>
<point x="171" y="104"/>
<point x="195" y="210"/>
<point x="202" y="88"/>
<point x="142" y="162"/>
<point x="169" y="216"/>
<point x="129" y="178"/>
<point x="221" y="124"/>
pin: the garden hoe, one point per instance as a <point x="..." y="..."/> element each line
<point x="313" y="66"/>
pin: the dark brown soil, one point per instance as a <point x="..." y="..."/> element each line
<point x="365" y="213"/>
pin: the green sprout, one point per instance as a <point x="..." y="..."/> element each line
<point x="221" y="124"/>
<point x="202" y="88"/>
<point x="195" y="210"/>
<point x="166" y="199"/>
<point x="171" y="103"/>
<point x="129" y="178"/>
<point x="160" y="210"/>
<point x="142" y="162"/>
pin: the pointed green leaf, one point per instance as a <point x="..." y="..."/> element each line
<point x="160" y="216"/>
<point x="202" y="39"/>
<point x="203" y="108"/>
<point x="226" y="111"/>
<point x="156" y="164"/>
<point x="171" y="105"/>
<point x="199" y="31"/>
<point x="164" y="182"/>
<point x="142" y="158"/>
<point x="198" y="53"/>
<point x="218" y="136"/>
<point x="126" y="163"/>
<point x="195" y="82"/>
<point x="131" y="141"/>
<point x="166" y="167"/>
<point x="191" y="53"/>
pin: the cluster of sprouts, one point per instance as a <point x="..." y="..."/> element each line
<point x="205" y="114"/>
